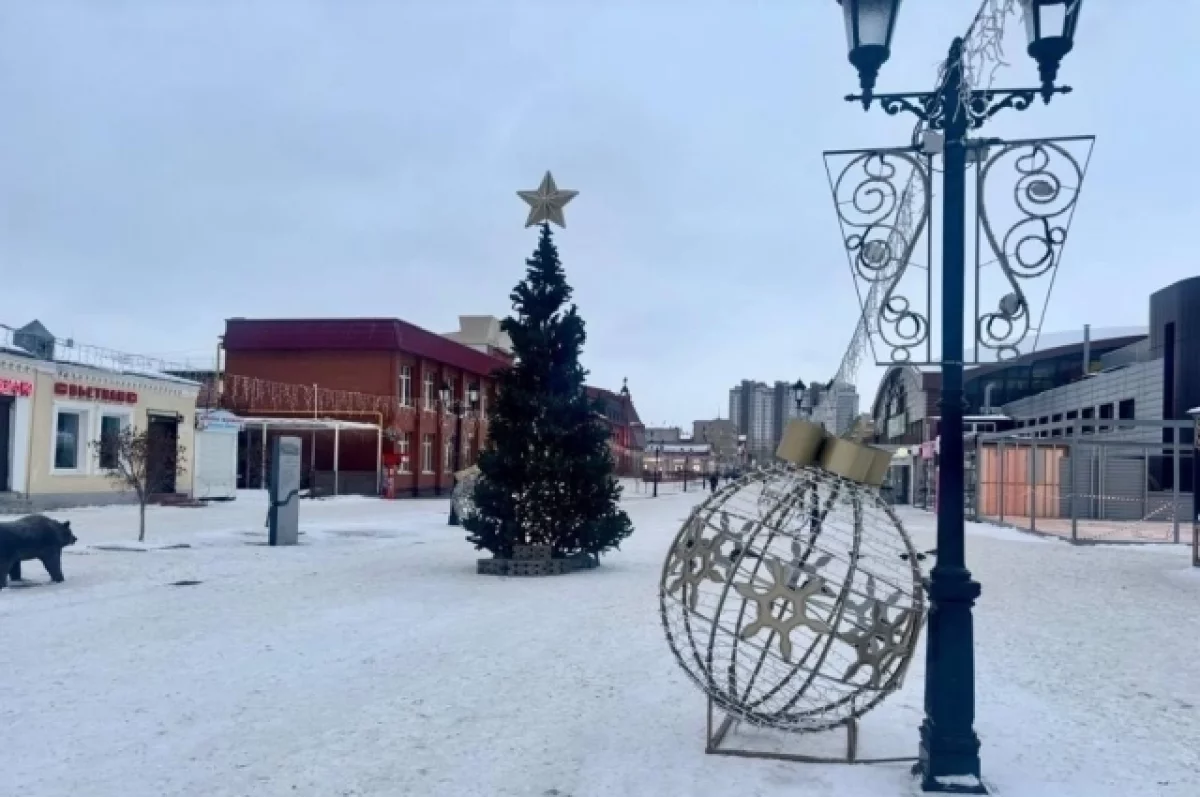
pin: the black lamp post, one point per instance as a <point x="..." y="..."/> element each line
<point x="949" y="745"/>
<point x="798" y="394"/>
<point x="657" y="466"/>
<point x="687" y="465"/>
<point x="456" y="406"/>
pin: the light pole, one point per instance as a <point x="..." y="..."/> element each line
<point x="949" y="746"/>
<point x="657" y="465"/>
<point x="798" y="395"/>
<point x="456" y="406"/>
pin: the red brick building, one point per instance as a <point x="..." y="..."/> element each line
<point x="403" y="366"/>
<point x="627" y="435"/>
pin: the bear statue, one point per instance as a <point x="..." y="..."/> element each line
<point x="33" y="537"/>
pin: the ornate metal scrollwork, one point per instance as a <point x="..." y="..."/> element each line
<point x="983" y="104"/>
<point x="882" y="200"/>
<point x="1044" y="180"/>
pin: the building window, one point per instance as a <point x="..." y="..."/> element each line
<point x="1087" y="414"/>
<point x="427" y="391"/>
<point x="405" y="446"/>
<point x="1106" y="414"/>
<point x="406" y="386"/>
<point x="1071" y="416"/>
<point x="482" y="401"/>
<point x="447" y="455"/>
<point x="68" y="439"/>
<point x="427" y="453"/>
<point x="111" y="427"/>
<point x="1126" y="411"/>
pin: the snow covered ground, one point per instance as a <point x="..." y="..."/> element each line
<point x="371" y="660"/>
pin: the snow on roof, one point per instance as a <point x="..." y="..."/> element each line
<point x="309" y="424"/>
<point x="77" y="357"/>
<point x="681" y="448"/>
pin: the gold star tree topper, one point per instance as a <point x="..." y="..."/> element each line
<point x="546" y="203"/>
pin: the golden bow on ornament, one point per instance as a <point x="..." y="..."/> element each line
<point x="806" y="444"/>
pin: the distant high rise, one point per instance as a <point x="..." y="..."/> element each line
<point x="761" y="412"/>
<point x="835" y="407"/>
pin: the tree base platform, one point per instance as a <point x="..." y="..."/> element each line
<point x="535" y="560"/>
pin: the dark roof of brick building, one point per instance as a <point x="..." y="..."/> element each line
<point x="629" y="413"/>
<point x="354" y="334"/>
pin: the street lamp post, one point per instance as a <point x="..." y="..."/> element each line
<point x="657" y="467"/>
<point x="798" y="395"/>
<point x="949" y="746"/>
<point x="456" y="406"/>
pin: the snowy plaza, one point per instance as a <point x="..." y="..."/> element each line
<point x="372" y="660"/>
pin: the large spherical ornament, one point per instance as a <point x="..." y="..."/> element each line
<point x="793" y="598"/>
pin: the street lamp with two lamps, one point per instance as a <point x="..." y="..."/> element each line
<point x="949" y="746"/>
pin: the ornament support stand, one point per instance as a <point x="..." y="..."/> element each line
<point x="715" y="738"/>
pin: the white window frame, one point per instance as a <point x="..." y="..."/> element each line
<point x="427" y="454"/>
<point x="482" y="401"/>
<point x="126" y="418"/>
<point x="405" y="446"/>
<point x="447" y="455"/>
<point x="406" y="397"/>
<point x="427" y="390"/>
<point x="86" y="413"/>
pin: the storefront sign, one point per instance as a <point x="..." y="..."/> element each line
<point x="95" y="393"/>
<point x="218" y="421"/>
<point x="15" y="387"/>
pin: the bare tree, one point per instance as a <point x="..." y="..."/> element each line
<point x="136" y="461"/>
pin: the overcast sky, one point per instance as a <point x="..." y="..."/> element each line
<point x="167" y="164"/>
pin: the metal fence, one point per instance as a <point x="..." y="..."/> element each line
<point x="1132" y="488"/>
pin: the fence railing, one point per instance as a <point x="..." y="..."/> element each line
<point x="1090" y="487"/>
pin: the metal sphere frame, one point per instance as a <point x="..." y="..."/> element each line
<point x="793" y="598"/>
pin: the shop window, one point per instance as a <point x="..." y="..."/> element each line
<point x="406" y="386"/>
<point x="404" y="444"/>
<point x="111" y="427"/>
<point x="68" y="439"/>
<point x="427" y="454"/>
<point x="1126" y="411"/>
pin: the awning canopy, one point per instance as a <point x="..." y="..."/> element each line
<point x="310" y="424"/>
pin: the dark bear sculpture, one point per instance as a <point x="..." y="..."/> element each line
<point x="33" y="537"/>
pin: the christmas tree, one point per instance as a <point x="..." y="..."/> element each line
<point x="546" y="477"/>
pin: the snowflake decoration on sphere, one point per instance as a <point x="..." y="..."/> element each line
<point x="793" y="598"/>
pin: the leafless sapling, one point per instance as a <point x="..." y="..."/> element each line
<point x="137" y="461"/>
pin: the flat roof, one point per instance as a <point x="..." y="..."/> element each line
<point x="309" y="424"/>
